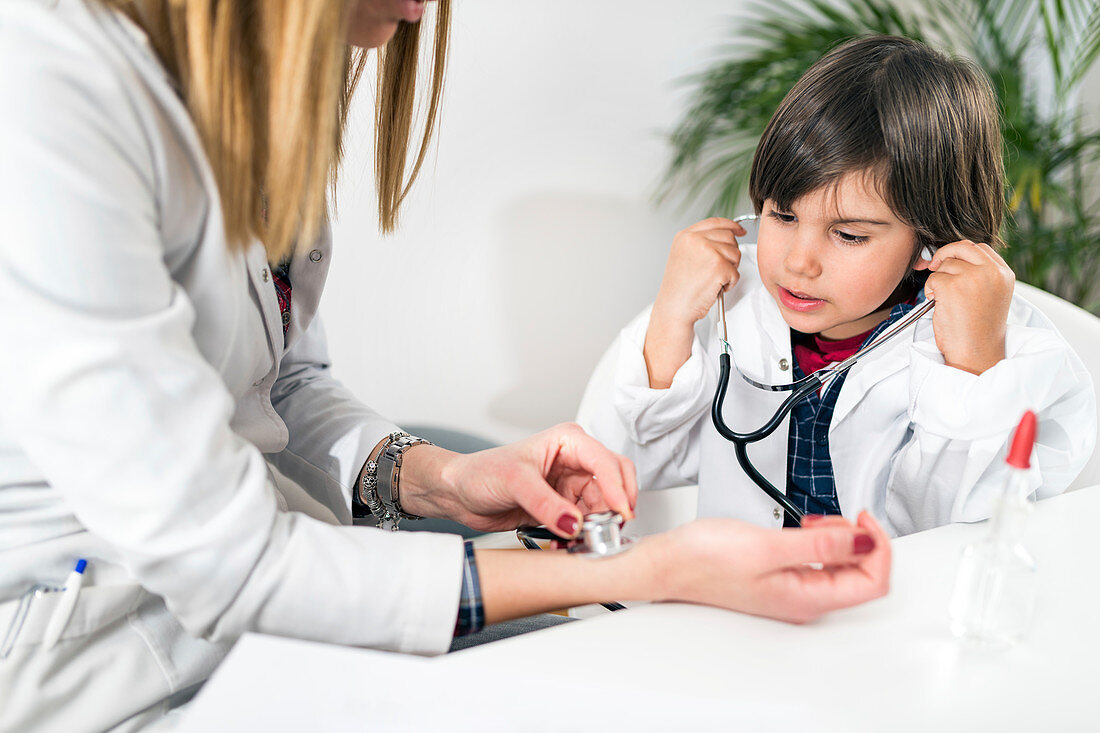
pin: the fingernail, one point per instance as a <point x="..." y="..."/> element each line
<point x="863" y="544"/>
<point x="568" y="524"/>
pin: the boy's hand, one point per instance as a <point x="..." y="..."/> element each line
<point x="703" y="261"/>
<point x="972" y="286"/>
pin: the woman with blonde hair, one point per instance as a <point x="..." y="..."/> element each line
<point x="168" y="414"/>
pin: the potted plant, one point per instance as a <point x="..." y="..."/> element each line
<point x="1036" y="52"/>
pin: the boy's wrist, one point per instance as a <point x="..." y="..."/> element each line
<point x="669" y="318"/>
<point x="667" y="346"/>
<point x="653" y="568"/>
<point x="978" y="359"/>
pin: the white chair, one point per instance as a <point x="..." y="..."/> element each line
<point x="1082" y="330"/>
<point x="662" y="510"/>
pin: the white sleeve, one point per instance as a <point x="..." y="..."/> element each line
<point x="108" y="395"/>
<point x="658" y="429"/>
<point x="952" y="467"/>
<point x="331" y="431"/>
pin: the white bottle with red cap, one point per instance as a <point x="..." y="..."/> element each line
<point x="995" y="589"/>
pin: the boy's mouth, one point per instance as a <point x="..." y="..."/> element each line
<point x="798" y="301"/>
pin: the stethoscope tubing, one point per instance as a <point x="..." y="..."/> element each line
<point x="741" y="440"/>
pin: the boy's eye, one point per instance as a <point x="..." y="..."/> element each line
<point x="850" y="238"/>
<point x="780" y="216"/>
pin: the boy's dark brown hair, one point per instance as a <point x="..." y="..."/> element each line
<point x="924" y="126"/>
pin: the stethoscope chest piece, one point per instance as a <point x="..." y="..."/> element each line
<point x="601" y="536"/>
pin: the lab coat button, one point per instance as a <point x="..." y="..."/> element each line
<point x="263" y="274"/>
<point x="784" y="365"/>
<point x="776" y="513"/>
<point x="315" y="255"/>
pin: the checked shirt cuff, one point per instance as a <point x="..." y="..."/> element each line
<point x="471" y="610"/>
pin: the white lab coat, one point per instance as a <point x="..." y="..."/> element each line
<point x="915" y="442"/>
<point x="143" y="381"/>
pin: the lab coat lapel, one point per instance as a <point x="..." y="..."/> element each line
<point x="260" y="277"/>
<point x="761" y="356"/>
<point x="308" y="272"/>
<point x="880" y="365"/>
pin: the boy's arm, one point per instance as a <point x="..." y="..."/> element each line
<point x="702" y="262"/>
<point x="648" y="397"/>
<point x="658" y="429"/>
<point x="952" y="467"/>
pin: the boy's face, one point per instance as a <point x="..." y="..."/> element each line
<point x="834" y="259"/>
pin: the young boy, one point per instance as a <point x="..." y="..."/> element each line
<point x="878" y="182"/>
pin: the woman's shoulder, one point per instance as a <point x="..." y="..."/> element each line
<point x="68" y="65"/>
<point x="91" y="114"/>
<point x="66" y="38"/>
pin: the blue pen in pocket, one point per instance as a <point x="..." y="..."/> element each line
<point x="64" y="609"/>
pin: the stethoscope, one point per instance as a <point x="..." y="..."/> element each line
<point x="600" y="535"/>
<point x="799" y="390"/>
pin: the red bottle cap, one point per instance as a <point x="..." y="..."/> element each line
<point x="1019" y="456"/>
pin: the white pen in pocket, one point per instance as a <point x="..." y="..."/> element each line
<point x="65" y="604"/>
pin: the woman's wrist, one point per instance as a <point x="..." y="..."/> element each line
<point x="426" y="489"/>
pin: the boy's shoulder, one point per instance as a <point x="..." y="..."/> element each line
<point x="1038" y="316"/>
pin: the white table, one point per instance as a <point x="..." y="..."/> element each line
<point x="890" y="665"/>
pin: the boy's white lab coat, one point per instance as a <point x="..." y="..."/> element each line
<point x="143" y="378"/>
<point x="914" y="441"/>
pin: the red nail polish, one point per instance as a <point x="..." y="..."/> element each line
<point x="863" y="544"/>
<point x="568" y="524"/>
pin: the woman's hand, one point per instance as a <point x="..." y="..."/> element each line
<point x="972" y="286"/>
<point x="767" y="572"/>
<point x="703" y="261"/>
<point x="552" y="478"/>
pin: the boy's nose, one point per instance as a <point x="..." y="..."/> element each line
<point x="802" y="257"/>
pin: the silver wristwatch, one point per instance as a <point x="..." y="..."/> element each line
<point x="381" y="487"/>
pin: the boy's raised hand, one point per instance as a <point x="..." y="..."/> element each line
<point x="703" y="261"/>
<point x="972" y="286"/>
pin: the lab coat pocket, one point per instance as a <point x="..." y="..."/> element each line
<point x="121" y="653"/>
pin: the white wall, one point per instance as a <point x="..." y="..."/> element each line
<point x="531" y="237"/>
